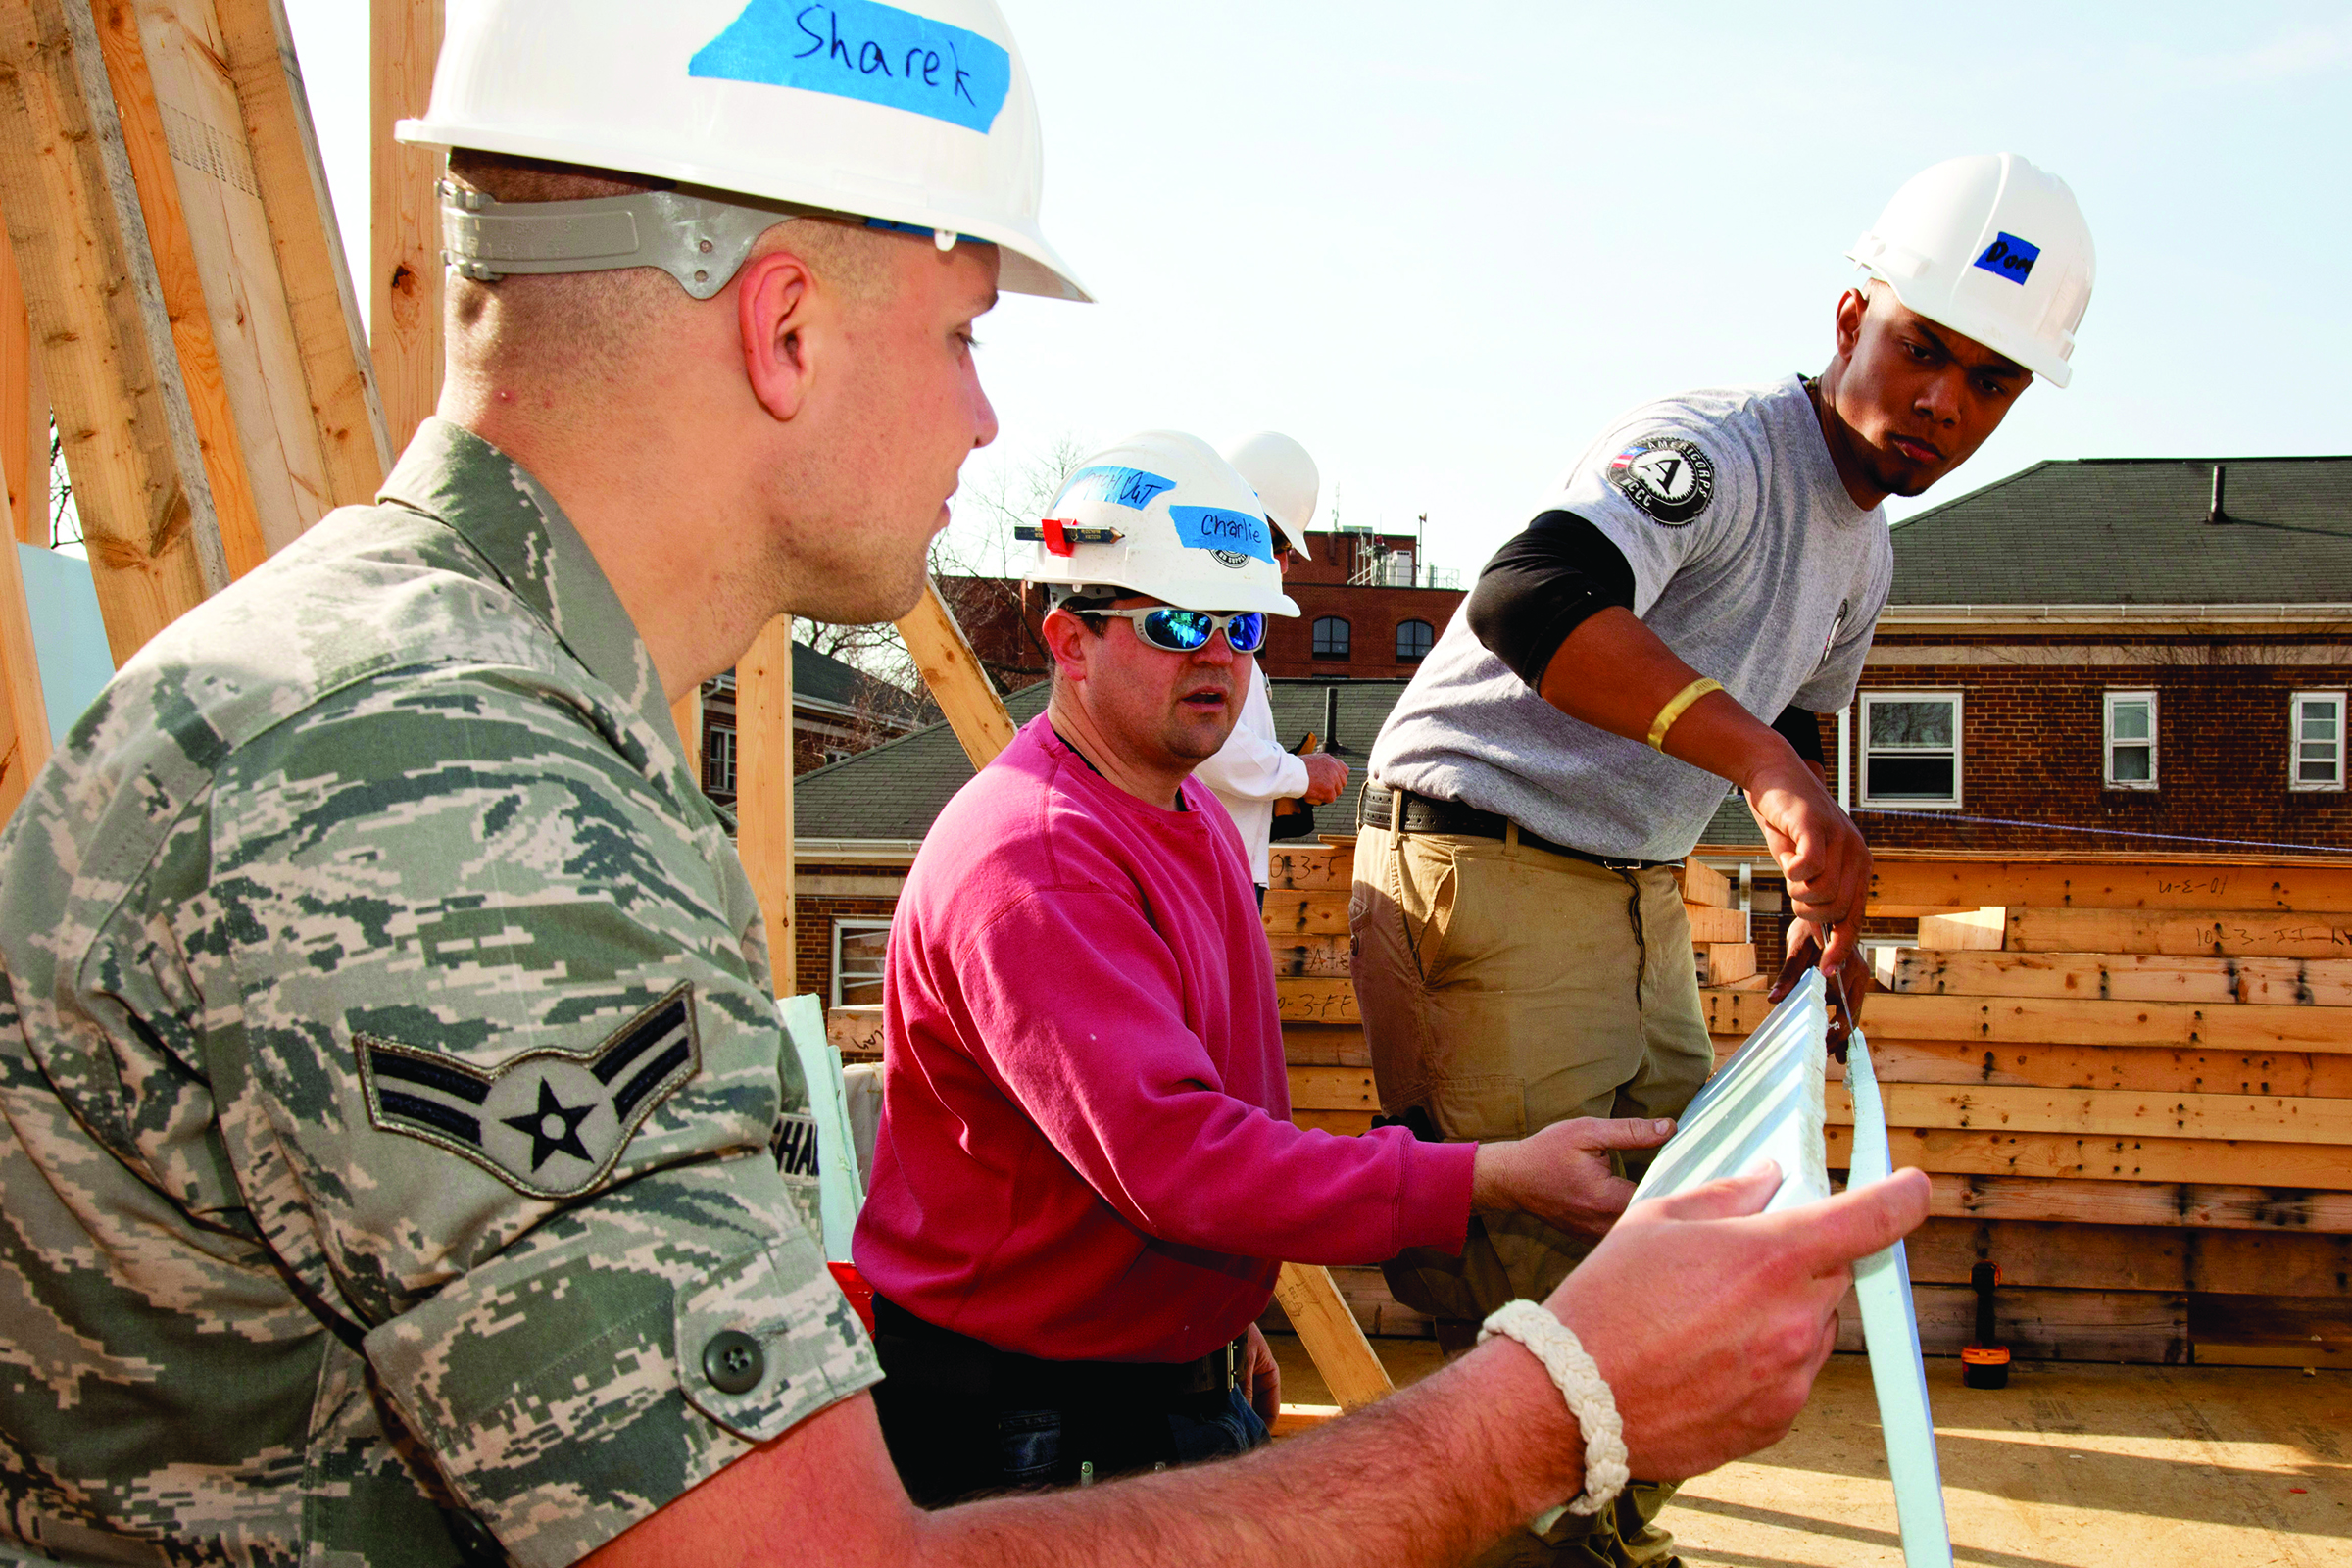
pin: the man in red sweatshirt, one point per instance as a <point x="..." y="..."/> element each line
<point x="1086" y="1177"/>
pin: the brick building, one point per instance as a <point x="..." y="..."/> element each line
<point x="1368" y="610"/>
<point x="837" y="712"/>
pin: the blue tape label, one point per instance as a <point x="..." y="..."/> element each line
<point x="1233" y="535"/>
<point x="858" y="49"/>
<point x="1131" y="488"/>
<point x="2011" y="258"/>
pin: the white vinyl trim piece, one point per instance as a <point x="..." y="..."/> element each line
<point x="840" y="1192"/>
<point x="1767" y="1103"/>
<point x="1891" y="1333"/>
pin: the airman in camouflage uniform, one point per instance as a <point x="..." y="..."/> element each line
<point x="389" y="1074"/>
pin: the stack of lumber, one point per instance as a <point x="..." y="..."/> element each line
<point x="1719" y="935"/>
<point x="1322" y="1034"/>
<point x="2132" y="1084"/>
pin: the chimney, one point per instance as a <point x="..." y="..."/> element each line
<point x="2215" y="518"/>
<point x="1331" y="718"/>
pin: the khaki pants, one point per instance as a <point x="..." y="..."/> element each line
<point x="1504" y="987"/>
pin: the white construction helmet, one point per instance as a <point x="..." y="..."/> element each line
<point x="1160" y="514"/>
<point x="918" y="118"/>
<point x="1285" y="478"/>
<point x="1991" y="246"/>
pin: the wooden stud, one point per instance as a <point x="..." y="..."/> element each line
<point x="1981" y="929"/>
<point x="24" y="412"/>
<point x="1297" y="915"/>
<point x="764" y="786"/>
<point x="1325" y="956"/>
<point x="2096" y="1202"/>
<point x="99" y="320"/>
<point x="2300" y="1074"/>
<point x="1979" y="1152"/>
<point x="958" y="683"/>
<point x="313" y="274"/>
<point x="1309" y="867"/>
<point x="2220" y="933"/>
<point x="1722" y="963"/>
<point x="2034" y="1020"/>
<point x="1711" y="924"/>
<point x="2297" y="883"/>
<point x="2119" y="976"/>
<point x="2113" y="1113"/>
<point x="1316" y="1001"/>
<point x="1316" y="1045"/>
<point x="405" y="283"/>
<point x="2132" y="1257"/>
<point x="1332" y="1336"/>
<point x="23" y="711"/>
<point x="2047" y="1324"/>
<point x="1333" y="1089"/>
<point x="1701" y="883"/>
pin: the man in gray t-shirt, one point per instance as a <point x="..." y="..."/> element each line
<point x="1692" y="594"/>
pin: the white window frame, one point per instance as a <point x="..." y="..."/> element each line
<point x="2295" y="742"/>
<point x="720" y="753"/>
<point x="849" y="926"/>
<point x="1864" y="702"/>
<point x="2108" y="741"/>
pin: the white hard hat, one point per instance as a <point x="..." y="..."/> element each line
<point x="1161" y="513"/>
<point x="909" y="118"/>
<point x="1991" y="246"/>
<point x="1285" y="478"/>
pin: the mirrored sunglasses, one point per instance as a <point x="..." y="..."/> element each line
<point x="1185" y="631"/>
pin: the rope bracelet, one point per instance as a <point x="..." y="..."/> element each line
<point x="1581" y="1384"/>
<point x="1677" y="706"/>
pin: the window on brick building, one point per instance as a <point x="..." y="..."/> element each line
<point x="2131" y="740"/>
<point x="1414" y="638"/>
<point x="719" y="759"/>
<point x="1911" y="749"/>
<point x="1330" y="637"/>
<point x="859" y="947"/>
<point x="2317" y="761"/>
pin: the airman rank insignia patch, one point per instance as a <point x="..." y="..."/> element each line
<point x="549" y="1123"/>
<point x="1665" y="476"/>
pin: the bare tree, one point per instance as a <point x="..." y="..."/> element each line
<point x="978" y="565"/>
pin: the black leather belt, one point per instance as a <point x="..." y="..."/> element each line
<point x="920" y="1351"/>
<point x="1421" y="815"/>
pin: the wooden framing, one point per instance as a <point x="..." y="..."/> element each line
<point x="687" y="714"/>
<point x="235" y="511"/>
<point x="1968" y="881"/>
<point x="1314" y="915"/>
<point x="1975" y="1151"/>
<point x="2097" y="1202"/>
<point x="24" y="412"/>
<point x="406" y="275"/>
<point x="99" y="319"/>
<point x="2153" y="1070"/>
<point x="2115" y="1113"/>
<point x="2119" y="976"/>
<point x="1710" y="923"/>
<point x="338" y="375"/>
<point x="958" y="683"/>
<point x="2030" y="1020"/>
<point x="1316" y="1001"/>
<point x="23" y="711"/>
<point x="2220" y="933"/>
<point x="764" y="786"/>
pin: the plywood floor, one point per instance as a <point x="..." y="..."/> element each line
<point x="2073" y="1465"/>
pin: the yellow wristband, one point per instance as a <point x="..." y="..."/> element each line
<point x="1677" y="706"/>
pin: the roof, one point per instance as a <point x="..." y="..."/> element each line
<point x="898" y="789"/>
<point x="820" y="677"/>
<point x="2133" y="530"/>
<point x="1733" y="827"/>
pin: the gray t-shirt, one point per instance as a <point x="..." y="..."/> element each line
<point x="1750" y="560"/>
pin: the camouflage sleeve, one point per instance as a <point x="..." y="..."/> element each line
<point x="506" y="1092"/>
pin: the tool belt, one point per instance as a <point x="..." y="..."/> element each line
<point x="1421" y="815"/>
<point x="923" y="1354"/>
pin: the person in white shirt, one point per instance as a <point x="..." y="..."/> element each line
<point x="1252" y="771"/>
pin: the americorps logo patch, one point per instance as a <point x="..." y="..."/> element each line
<point x="549" y="1123"/>
<point x="2011" y="258"/>
<point x="1666" y="476"/>
<point x="859" y="49"/>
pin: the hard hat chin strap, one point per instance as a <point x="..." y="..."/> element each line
<point x="697" y="240"/>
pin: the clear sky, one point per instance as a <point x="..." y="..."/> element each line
<point x="1444" y="244"/>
